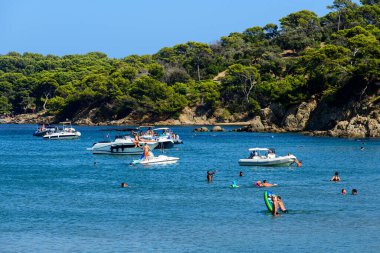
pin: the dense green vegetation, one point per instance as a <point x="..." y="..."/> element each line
<point x="335" y="57"/>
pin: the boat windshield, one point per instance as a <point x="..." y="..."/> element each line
<point x="261" y="152"/>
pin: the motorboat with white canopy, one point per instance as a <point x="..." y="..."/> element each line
<point x="66" y="133"/>
<point x="267" y="157"/>
<point x="162" y="135"/>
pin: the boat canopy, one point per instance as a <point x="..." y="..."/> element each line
<point x="161" y="128"/>
<point x="259" y="149"/>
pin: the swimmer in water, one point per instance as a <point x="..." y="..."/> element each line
<point x="281" y="205"/>
<point x="354" y="192"/>
<point x="344" y="192"/>
<point x="241" y="174"/>
<point x="210" y="175"/>
<point x="234" y="185"/>
<point x="336" y="177"/>
<point x="275" y="205"/>
<point x="263" y="184"/>
<point x="123" y="185"/>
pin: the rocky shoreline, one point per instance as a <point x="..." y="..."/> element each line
<point x="310" y="118"/>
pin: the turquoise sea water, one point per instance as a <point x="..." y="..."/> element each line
<point x="53" y="198"/>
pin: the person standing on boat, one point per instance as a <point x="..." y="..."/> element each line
<point x="146" y="151"/>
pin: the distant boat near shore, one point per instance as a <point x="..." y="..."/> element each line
<point x="66" y="133"/>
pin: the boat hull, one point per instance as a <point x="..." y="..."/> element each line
<point x="61" y="136"/>
<point x="177" y="141"/>
<point x="157" y="160"/>
<point x="283" y="161"/>
<point x="42" y="133"/>
<point x="119" y="148"/>
<point x="165" y="144"/>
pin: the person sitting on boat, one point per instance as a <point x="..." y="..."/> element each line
<point x="270" y="154"/>
<point x="146" y="151"/>
<point x="253" y="154"/>
<point x="137" y="141"/>
<point x="336" y="177"/>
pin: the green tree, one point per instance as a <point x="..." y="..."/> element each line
<point x="5" y="106"/>
<point x="300" y="30"/>
<point x="238" y="86"/>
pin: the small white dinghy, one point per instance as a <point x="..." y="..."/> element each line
<point x="267" y="157"/>
<point x="151" y="159"/>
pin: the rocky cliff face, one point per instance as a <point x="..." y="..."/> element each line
<point x="352" y="120"/>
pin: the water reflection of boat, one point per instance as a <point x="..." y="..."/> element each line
<point x="66" y="133"/>
<point x="267" y="157"/>
<point x="43" y="130"/>
<point x="122" y="145"/>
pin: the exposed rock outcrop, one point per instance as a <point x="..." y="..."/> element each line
<point x="217" y="129"/>
<point x="297" y="117"/>
<point x="201" y="129"/>
<point x="357" y="127"/>
<point x="29" y="118"/>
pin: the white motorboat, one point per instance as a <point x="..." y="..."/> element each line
<point x="161" y="159"/>
<point x="66" y="133"/>
<point x="267" y="157"/>
<point x="162" y="135"/>
<point x="122" y="145"/>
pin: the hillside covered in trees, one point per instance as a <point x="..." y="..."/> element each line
<point x="333" y="60"/>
